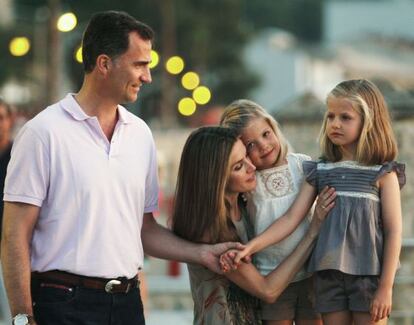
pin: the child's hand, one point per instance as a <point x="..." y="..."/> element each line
<point x="381" y="304"/>
<point x="243" y="255"/>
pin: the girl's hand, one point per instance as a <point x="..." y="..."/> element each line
<point x="381" y="304"/>
<point x="243" y="255"/>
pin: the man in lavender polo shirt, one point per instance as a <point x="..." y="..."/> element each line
<point x="80" y="192"/>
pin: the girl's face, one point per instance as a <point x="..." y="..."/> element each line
<point x="242" y="176"/>
<point x="262" y="145"/>
<point x="343" y="124"/>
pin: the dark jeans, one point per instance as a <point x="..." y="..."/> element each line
<point x="79" y="306"/>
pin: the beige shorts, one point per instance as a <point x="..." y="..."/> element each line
<point x="295" y="302"/>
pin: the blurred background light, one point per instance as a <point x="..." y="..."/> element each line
<point x="202" y="95"/>
<point x="155" y="58"/>
<point x="78" y="54"/>
<point x="187" y="106"/>
<point x="175" y="65"/>
<point x="19" y="46"/>
<point x="67" y="22"/>
<point x="190" y="80"/>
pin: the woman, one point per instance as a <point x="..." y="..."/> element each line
<point x="214" y="171"/>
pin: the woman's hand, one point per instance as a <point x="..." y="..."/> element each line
<point x="325" y="202"/>
<point x="381" y="304"/>
<point x="227" y="262"/>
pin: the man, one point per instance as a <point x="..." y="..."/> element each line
<point x="5" y="145"/>
<point x="5" y="148"/>
<point x="80" y="192"/>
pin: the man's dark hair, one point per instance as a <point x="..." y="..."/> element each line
<point x="108" y="33"/>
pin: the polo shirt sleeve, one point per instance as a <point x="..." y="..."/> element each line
<point x="28" y="171"/>
<point x="151" y="184"/>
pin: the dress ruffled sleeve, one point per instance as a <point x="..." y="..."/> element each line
<point x="389" y="167"/>
<point x="310" y="172"/>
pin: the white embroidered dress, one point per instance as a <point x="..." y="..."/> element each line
<point x="276" y="190"/>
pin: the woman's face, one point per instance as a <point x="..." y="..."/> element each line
<point x="242" y="176"/>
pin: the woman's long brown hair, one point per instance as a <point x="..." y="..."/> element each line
<point x="200" y="213"/>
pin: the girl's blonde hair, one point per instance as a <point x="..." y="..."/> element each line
<point x="241" y="112"/>
<point x="376" y="143"/>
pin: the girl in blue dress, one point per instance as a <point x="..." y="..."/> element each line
<point x="357" y="253"/>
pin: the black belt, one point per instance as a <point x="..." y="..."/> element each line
<point x="118" y="285"/>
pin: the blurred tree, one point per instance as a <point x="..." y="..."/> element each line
<point x="209" y="34"/>
<point x="212" y="37"/>
<point x="211" y="47"/>
<point x="18" y="67"/>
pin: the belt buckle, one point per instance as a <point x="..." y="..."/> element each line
<point x="110" y="284"/>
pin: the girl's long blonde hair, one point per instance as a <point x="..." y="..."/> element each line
<point x="376" y="143"/>
<point x="241" y="112"/>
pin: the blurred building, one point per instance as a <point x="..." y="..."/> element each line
<point x="346" y="20"/>
<point x="6" y="13"/>
<point x="361" y="38"/>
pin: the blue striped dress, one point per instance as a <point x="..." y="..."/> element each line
<point x="351" y="238"/>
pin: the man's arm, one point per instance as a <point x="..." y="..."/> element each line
<point x="160" y="242"/>
<point x="18" y="223"/>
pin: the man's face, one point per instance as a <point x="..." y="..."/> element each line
<point x="5" y="122"/>
<point x="130" y="70"/>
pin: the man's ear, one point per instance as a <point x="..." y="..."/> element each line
<point x="103" y="63"/>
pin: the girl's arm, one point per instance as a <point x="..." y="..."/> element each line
<point x="268" y="288"/>
<point x="392" y="221"/>
<point x="286" y="224"/>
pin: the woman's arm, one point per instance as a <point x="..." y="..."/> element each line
<point x="392" y="221"/>
<point x="286" y="224"/>
<point x="268" y="288"/>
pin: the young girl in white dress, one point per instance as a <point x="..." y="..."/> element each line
<point x="279" y="176"/>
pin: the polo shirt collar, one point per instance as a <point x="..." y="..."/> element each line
<point x="70" y="105"/>
<point x="123" y="115"/>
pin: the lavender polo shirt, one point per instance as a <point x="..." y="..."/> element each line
<point x="92" y="193"/>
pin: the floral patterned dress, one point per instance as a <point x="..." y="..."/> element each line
<point x="218" y="301"/>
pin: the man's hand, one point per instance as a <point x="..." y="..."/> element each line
<point x="210" y="254"/>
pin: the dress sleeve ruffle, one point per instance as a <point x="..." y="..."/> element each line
<point x="397" y="167"/>
<point x="310" y="172"/>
